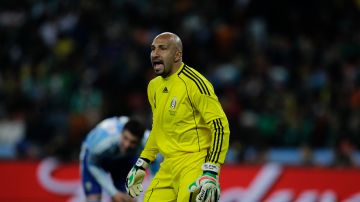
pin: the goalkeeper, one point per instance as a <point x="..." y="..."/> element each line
<point x="189" y="129"/>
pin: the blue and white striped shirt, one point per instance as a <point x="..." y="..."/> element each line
<point x="103" y="142"/>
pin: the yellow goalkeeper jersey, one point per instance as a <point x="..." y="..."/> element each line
<point x="187" y="117"/>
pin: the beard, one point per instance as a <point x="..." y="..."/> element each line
<point x="163" y="72"/>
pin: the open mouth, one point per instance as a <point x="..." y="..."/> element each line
<point x="158" y="64"/>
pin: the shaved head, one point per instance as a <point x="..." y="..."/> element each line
<point x="166" y="54"/>
<point x="173" y="38"/>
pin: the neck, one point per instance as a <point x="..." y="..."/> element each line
<point x="174" y="69"/>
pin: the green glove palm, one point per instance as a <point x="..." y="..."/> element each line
<point x="135" y="177"/>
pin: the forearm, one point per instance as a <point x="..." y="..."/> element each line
<point x="150" y="150"/>
<point x="150" y="156"/>
<point x="103" y="179"/>
<point x="219" y="142"/>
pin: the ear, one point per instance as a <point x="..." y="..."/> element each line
<point x="178" y="56"/>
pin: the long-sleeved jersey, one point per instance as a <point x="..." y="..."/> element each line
<point x="187" y="117"/>
<point x="102" y="143"/>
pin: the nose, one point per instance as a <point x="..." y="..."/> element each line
<point x="126" y="145"/>
<point x="154" y="53"/>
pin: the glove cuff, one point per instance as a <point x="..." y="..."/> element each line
<point x="209" y="167"/>
<point x="142" y="163"/>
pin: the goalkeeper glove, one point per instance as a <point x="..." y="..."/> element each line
<point x="207" y="185"/>
<point x="136" y="176"/>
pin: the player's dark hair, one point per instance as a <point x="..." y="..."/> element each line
<point x="135" y="127"/>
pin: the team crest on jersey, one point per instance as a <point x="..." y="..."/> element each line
<point x="173" y="106"/>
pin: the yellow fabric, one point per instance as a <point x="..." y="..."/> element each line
<point x="187" y="117"/>
<point x="172" y="181"/>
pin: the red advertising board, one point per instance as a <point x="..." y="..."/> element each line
<point x="50" y="181"/>
<point x="274" y="183"/>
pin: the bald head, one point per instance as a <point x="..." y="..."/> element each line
<point x="166" y="54"/>
<point x="173" y="38"/>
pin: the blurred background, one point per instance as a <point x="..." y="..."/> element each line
<point x="286" y="72"/>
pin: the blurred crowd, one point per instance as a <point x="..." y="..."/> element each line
<point x="286" y="72"/>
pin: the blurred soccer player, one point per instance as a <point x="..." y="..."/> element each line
<point x="107" y="153"/>
<point x="190" y="130"/>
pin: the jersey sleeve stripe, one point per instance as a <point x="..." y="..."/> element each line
<point x="190" y="77"/>
<point x="216" y="141"/>
<point x="196" y="78"/>
<point x="199" y="79"/>
<point x="221" y="138"/>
